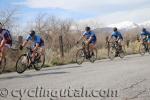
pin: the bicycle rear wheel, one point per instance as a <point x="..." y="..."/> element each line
<point x="80" y="56"/>
<point x="39" y="62"/>
<point x="22" y="63"/>
<point x="93" y="56"/>
<point x="2" y="65"/>
<point x="142" y="50"/>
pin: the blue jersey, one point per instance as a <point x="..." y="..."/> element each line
<point x="5" y="34"/>
<point x="37" y="40"/>
<point x="117" y="35"/>
<point x="90" y="34"/>
<point x="145" y="33"/>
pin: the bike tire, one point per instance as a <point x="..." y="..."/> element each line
<point x="21" y="68"/>
<point x="122" y="54"/>
<point x="39" y="67"/>
<point x="2" y="65"/>
<point x="80" y="54"/>
<point x="112" y="53"/>
<point x="94" y="58"/>
<point x="142" y="50"/>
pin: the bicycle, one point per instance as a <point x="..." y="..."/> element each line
<point x="24" y="61"/>
<point x="144" y="47"/>
<point x="115" y="50"/>
<point x="84" y="53"/>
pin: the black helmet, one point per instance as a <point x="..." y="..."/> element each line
<point x="115" y="29"/>
<point x="144" y="29"/>
<point x="32" y="33"/>
<point x="87" y="28"/>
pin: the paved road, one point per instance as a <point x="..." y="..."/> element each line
<point x="121" y="79"/>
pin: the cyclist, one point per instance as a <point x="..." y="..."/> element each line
<point x="116" y="36"/>
<point x="145" y="36"/>
<point x="38" y="44"/>
<point x="90" y="38"/>
<point x="5" y="42"/>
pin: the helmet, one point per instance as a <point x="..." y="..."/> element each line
<point x="144" y="29"/>
<point x="32" y="33"/>
<point x="115" y="29"/>
<point x="87" y="28"/>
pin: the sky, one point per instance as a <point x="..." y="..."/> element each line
<point x="102" y="11"/>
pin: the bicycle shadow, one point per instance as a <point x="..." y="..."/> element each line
<point x="41" y="73"/>
<point x="31" y="75"/>
<point x="59" y="68"/>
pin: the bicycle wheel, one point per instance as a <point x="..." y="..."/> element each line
<point x="149" y="48"/>
<point x="22" y="63"/>
<point x="2" y="65"/>
<point x="80" y="56"/>
<point x="112" y="53"/>
<point x="122" y="54"/>
<point x="93" y="56"/>
<point x="142" y="50"/>
<point x="39" y="62"/>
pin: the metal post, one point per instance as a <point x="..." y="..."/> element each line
<point x="61" y="45"/>
<point x="20" y="39"/>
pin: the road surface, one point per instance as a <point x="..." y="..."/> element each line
<point x="121" y="79"/>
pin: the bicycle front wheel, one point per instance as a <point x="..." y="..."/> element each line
<point x="22" y="63"/>
<point x="80" y="56"/>
<point x="112" y="53"/>
<point x="2" y="65"/>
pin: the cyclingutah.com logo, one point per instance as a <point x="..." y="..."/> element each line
<point x="52" y="94"/>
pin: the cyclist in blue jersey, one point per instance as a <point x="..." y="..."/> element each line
<point x="38" y="44"/>
<point x="145" y="36"/>
<point x="117" y="36"/>
<point x="5" y="42"/>
<point x="89" y="37"/>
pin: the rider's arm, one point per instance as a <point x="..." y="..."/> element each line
<point x="88" y="41"/>
<point x="111" y="37"/>
<point x="91" y="37"/>
<point x="24" y="43"/>
<point x="81" y="37"/>
<point x="36" y="46"/>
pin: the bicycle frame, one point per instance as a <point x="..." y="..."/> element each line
<point x="86" y="49"/>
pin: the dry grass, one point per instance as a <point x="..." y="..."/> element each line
<point x="53" y="58"/>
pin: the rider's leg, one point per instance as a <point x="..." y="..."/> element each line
<point x="0" y="56"/>
<point x="4" y="50"/>
<point x="92" y="48"/>
<point x="120" y="42"/>
<point x="42" y="52"/>
<point x="145" y="43"/>
<point x="33" y="56"/>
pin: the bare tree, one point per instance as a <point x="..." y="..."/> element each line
<point x="8" y="17"/>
